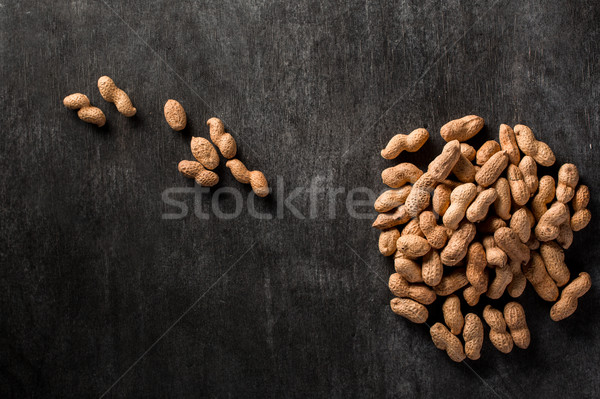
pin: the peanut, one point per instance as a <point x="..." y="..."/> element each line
<point x="491" y="170"/>
<point x="507" y="240"/>
<point x="451" y="283"/>
<point x="554" y="259"/>
<point x="508" y="142"/>
<point x="582" y="198"/>
<point x="255" y="178"/>
<point x="528" y="168"/>
<point x="397" y="176"/>
<point x="195" y="170"/>
<point x="175" y="115"/>
<point x="445" y="340"/>
<point x="545" y="194"/>
<point x="490" y="225"/>
<point x="442" y="165"/>
<point x="494" y="255"/>
<point x="460" y="199"/>
<point x="514" y="315"/>
<point x="224" y="141"/>
<point x="565" y="234"/>
<point x="462" y="129"/>
<point x="432" y="268"/>
<point x="85" y="112"/>
<point x="536" y="274"/>
<point x="520" y="224"/>
<point x="407" y="268"/>
<point x="473" y="336"/>
<point x="548" y="226"/>
<point x="476" y="264"/>
<point x="412" y="228"/>
<point x="472" y="294"/>
<point x="387" y="241"/>
<point x="581" y="219"/>
<point x="464" y="170"/>
<point x="204" y="152"/>
<point x="452" y="315"/>
<point x="518" y="282"/>
<point x="568" y="177"/>
<point x="486" y="151"/>
<point x="111" y="93"/>
<point x="457" y="246"/>
<point x="405" y="142"/>
<point x="538" y="150"/>
<point x="582" y="216"/>
<point x="436" y="235"/>
<point x="499" y="337"/>
<point x="441" y="199"/>
<point x="388" y="220"/>
<point x="391" y="199"/>
<point x="504" y="276"/>
<point x="567" y="304"/>
<point x="518" y="188"/>
<point x="503" y="201"/>
<point x="409" y="309"/>
<point x="468" y="151"/>
<point x="400" y="287"/>
<point x="478" y="210"/>
<point x="413" y="246"/>
<point x="420" y="195"/>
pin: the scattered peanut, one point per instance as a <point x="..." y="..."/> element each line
<point x="391" y="199"/>
<point x="502" y="204"/>
<point x="413" y="246"/>
<point x="491" y="170"/>
<point x="518" y="188"/>
<point x="442" y="165"/>
<point x="401" y="288"/>
<point x="508" y="142"/>
<point x="432" y="269"/>
<point x="499" y="337"/>
<point x="175" y="115"/>
<point x="390" y="219"/>
<point x="545" y="194"/>
<point x="224" y="141"/>
<point x="567" y="304"/>
<point x="405" y="142"/>
<point x="460" y="199"/>
<point x="441" y="199"/>
<point x="473" y="336"/>
<point x="462" y="129"/>
<point x="85" y="112"/>
<point x="528" y="168"/>
<point x="399" y="175"/>
<point x="478" y="210"/>
<point x="407" y="268"/>
<point x="452" y="315"/>
<point x="445" y="340"/>
<point x="204" y="152"/>
<point x="111" y="93"/>
<point x="486" y="151"/>
<point x="554" y="259"/>
<point x="387" y="241"/>
<point x="412" y="310"/>
<point x="538" y="150"/>
<point x="195" y="170"/>
<point x="436" y="235"/>
<point x="547" y="228"/>
<point x="468" y="151"/>
<point x="457" y="246"/>
<point x="514" y="315"/>
<point x="451" y="283"/>
<point x="536" y="274"/>
<point x="255" y="178"/>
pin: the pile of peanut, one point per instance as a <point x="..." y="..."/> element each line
<point x="484" y="228"/>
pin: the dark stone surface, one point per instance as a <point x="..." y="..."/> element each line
<point x="92" y="275"/>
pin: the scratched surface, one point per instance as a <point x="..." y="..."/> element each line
<point x="103" y="294"/>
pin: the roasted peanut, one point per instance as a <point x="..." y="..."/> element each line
<point x="462" y="129"/>
<point x="538" y="150"/>
<point x="442" y="165"/>
<point x="536" y="274"/>
<point x="514" y="315"/>
<point x="452" y="315"/>
<point x="436" y="235"/>
<point x="399" y="175"/>
<point x="412" y="228"/>
<point x="508" y="142"/>
<point x="387" y="241"/>
<point x="413" y="246"/>
<point x="567" y="304"/>
<point x="504" y="276"/>
<point x="473" y="336"/>
<point x="494" y="255"/>
<point x="255" y="178"/>
<point x="195" y="170"/>
<point x="568" y="177"/>
<point x="548" y="226"/>
<point x="517" y="285"/>
<point x="175" y="115"/>
<point x="464" y="170"/>
<point x="476" y="264"/>
<point x="554" y="259"/>
<point x="401" y="288"/>
<point x="441" y="199"/>
<point x="545" y="194"/>
<point x="407" y="268"/>
<point x="111" y="93"/>
<point x="420" y="195"/>
<point x="468" y="151"/>
<point x="460" y="199"/>
<point x="503" y="201"/>
<point x="405" y="142"/>
<point x="499" y="337"/>
<point x="582" y="198"/>
<point x="391" y="199"/>
<point x="388" y="220"/>
<point x="204" y="152"/>
<point x="409" y="309"/>
<point x="224" y="141"/>
<point x="520" y="224"/>
<point x="432" y="268"/>
<point x="486" y="151"/>
<point x="507" y="240"/>
<point x="445" y="340"/>
<point x="451" y="283"/>
<point x="565" y="234"/>
<point x="581" y="219"/>
<point x="478" y="210"/>
<point x="491" y="170"/>
<point x="458" y="244"/>
<point x="528" y="168"/>
<point x="518" y="188"/>
<point x="85" y="112"/>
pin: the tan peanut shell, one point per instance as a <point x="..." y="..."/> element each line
<point x="473" y="336"/>
<point x="451" y="283"/>
<point x="538" y="150"/>
<point x="514" y="315"/>
<point x="175" y="115"/>
<point x="409" y="309"/>
<point x="565" y="234"/>
<point x="405" y="142"/>
<point x="420" y="195"/>
<point x="432" y="268"/>
<point x="547" y="228"/>
<point x="458" y="244"/>
<point x="441" y="199"/>
<point x="436" y="235"/>
<point x="224" y="141"/>
<point x="528" y="168"/>
<point x="401" y="288"/>
<point x="508" y="143"/>
<point x="388" y="220"/>
<point x="445" y="340"/>
<point x="412" y="228"/>
<point x="492" y="169"/>
<point x="391" y="199"/>
<point x="536" y="274"/>
<point x="554" y="259"/>
<point x="568" y="177"/>
<point x="582" y="216"/>
<point x="518" y="282"/>
<point x="255" y="178"/>
<point x="472" y="294"/>
<point x="397" y="176"/>
<point x="86" y="112"/>
<point x="499" y="337"/>
<point x="111" y="93"/>
<point x="486" y="151"/>
<point x="509" y="242"/>
<point x="520" y="224"/>
<point x="518" y="188"/>
<point x="495" y="256"/>
<point x="195" y="170"/>
<point x="567" y="304"/>
<point x="478" y="210"/>
<point x="452" y="314"/>
<point x="582" y="198"/>
<point x="580" y="219"/>
<point x="387" y="241"/>
<point x="204" y="152"/>
<point x="545" y="195"/>
<point x="468" y="151"/>
<point x="490" y="225"/>
<point x="442" y="165"/>
<point x="504" y="276"/>
<point x="460" y="199"/>
<point x="464" y="170"/>
<point x="413" y="246"/>
<point x="476" y="265"/>
<point x="503" y="202"/>
<point x="407" y="268"/>
<point x="462" y="129"/>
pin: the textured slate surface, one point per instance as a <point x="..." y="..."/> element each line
<point x="101" y="294"/>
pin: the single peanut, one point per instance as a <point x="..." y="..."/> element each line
<point x="476" y="265"/>
<point x="409" y="309"/>
<point x="255" y="178"/>
<point x="195" y="170"/>
<point x="407" y="268"/>
<point x="460" y="199"/>
<point x="520" y="224"/>
<point x="224" y="141"/>
<point x="504" y="276"/>
<point x="472" y="294"/>
<point x="486" y="151"/>
<point x="545" y="194"/>
<point x="536" y="274"/>
<point x="568" y="177"/>
<point x="388" y="220"/>
<point x="507" y="240"/>
<point x="391" y="199"/>
<point x="420" y="195"/>
<point x="464" y="170"/>
<point x="565" y="234"/>
<point x="468" y="151"/>
<point x="518" y="188"/>
<point x="548" y="226"/>
<point x="567" y="304"/>
<point x="478" y="210"/>
<point x="514" y="315"/>
<point x="401" y="288"/>
<point x="111" y="93"/>
<point x="582" y="198"/>
<point x="436" y="235"/>
<point x="473" y="336"/>
<point x="458" y="244"/>
<point x="412" y="228"/>
<point x="387" y="241"/>
<point x="495" y="256"/>
<point x="581" y="219"/>
<point x="442" y="165"/>
<point x="518" y="282"/>
<point x="462" y="129"/>
<point x="432" y="268"/>
<point x="491" y="170"/>
<point x="405" y="142"/>
<point x="441" y="199"/>
<point x="452" y="315"/>
<point x="451" y="283"/>
<point x="508" y="142"/>
<point x="399" y="175"/>
<point x="413" y="246"/>
<point x="204" y="152"/>
<point x="499" y="337"/>
<point x="582" y="216"/>
<point x="175" y="115"/>
<point x="538" y="150"/>
<point x="554" y="259"/>
<point x="85" y="112"/>
<point x="445" y="340"/>
<point x="528" y="168"/>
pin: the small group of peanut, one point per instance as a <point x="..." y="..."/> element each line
<point x="489" y="222"/>
<point x="110" y="92"/>
<point x="207" y="157"/>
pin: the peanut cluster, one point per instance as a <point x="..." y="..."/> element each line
<point x="480" y="229"/>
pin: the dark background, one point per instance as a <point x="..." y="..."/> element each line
<point x="101" y="294"/>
